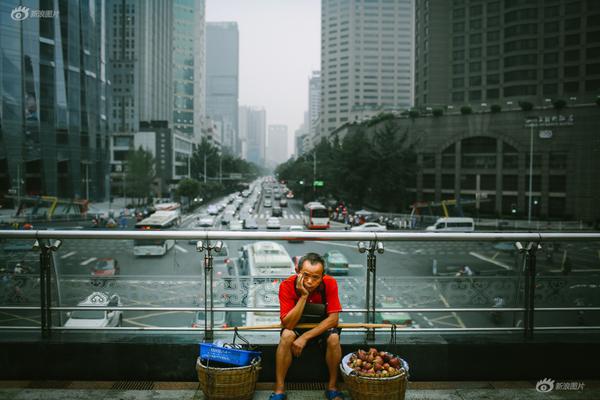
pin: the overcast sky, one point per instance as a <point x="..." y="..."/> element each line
<point x="280" y="44"/>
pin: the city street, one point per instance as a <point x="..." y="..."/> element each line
<point x="409" y="275"/>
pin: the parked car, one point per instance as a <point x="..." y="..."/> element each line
<point x="92" y="318"/>
<point x="106" y="267"/>
<point x="273" y="223"/>
<point x="335" y="263"/>
<point x="370" y="227"/>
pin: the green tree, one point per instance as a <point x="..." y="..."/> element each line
<point x="140" y="174"/>
<point x="205" y="149"/>
<point x="189" y="188"/>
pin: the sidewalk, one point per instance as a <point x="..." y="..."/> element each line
<point x="52" y="390"/>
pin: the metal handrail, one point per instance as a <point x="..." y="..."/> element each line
<point x="533" y="238"/>
<point x="318" y="236"/>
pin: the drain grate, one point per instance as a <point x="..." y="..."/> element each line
<point x="305" y="386"/>
<point x="133" y="385"/>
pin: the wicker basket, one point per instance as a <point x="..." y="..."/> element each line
<point x="236" y="383"/>
<point x="363" y="388"/>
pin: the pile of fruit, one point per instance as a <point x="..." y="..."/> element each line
<point x="375" y="364"/>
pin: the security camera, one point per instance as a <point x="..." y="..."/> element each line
<point x="200" y="246"/>
<point x="380" y="249"/>
<point x="218" y="246"/>
<point x="56" y="245"/>
<point x="362" y="247"/>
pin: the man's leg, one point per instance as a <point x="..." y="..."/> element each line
<point x="283" y="358"/>
<point x="333" y="357"/>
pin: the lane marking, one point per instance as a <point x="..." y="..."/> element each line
<point x="68" y="255"/>
<point x="458" y="319"/>
<point x="178" y="247"/>
<point x="89" y="260"/>
<point x="354" y="247"/>
<point x="490" y="260"/>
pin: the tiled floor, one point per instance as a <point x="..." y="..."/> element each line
<point x="51" y="390"/>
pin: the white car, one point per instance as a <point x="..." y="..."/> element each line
<point x="96" y="318"/>
<point x="213" y="209"/>
<point x="206" y="222"/>
<point x="369" y="227"/>
<point x="273" y="223"/>
<point x="236" y="225"/>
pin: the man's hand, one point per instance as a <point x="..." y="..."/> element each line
<point x="298" y="346"/>
<point x="300" y="285"/>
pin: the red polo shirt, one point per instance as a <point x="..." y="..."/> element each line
<point x="288" y="297"/>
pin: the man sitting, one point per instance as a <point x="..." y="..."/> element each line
<point x="309" y="296"/>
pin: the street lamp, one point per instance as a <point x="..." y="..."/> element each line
<point x="531" y="121"/>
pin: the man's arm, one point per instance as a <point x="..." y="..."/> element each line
<point x="291" y="319"/>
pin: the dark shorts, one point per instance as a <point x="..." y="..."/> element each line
<point x="321" y="340"/>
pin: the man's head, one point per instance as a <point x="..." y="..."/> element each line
<point x="311" y="267"/>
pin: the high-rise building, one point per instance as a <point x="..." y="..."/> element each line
<point x="188" y="67"/>
<point x="255" y="130"/>
<point x="140" y="40"/>
<point x="54" y="100"/>
<point x="366" y="59"/>
<point x="222" y="78"/>
<point x="502" y="52"/>
<point x="277" y="145"/>
<point x="314" y="101"/>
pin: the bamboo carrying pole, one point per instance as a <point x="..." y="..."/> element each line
<point x="312" y="325"/>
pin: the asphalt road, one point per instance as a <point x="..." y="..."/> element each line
<point x="404" y="278"/>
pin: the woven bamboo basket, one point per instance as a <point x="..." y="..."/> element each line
<point x="363" y="388"/>
<point x="236" y="383"/>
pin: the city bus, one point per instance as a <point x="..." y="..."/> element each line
<point x="266" y="259"/>
<point x="316" y="216"/>
<point x="159" y="221"/>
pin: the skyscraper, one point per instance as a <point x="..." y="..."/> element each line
<point x="366" y="59"/>
<point x="314" y="101"/>
<point x="503" y="52"/>
<point x="255" y="133"/>
<point x="188" y="67"/>
<point x="277" y="146"/>
<point x="54" y="99"/>
<point x="222" y="78"/>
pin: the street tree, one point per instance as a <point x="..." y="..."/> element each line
<point x="140" y="174"/>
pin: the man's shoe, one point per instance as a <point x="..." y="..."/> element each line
<point x="278" y="396"/>
<point x="334" y="394"/>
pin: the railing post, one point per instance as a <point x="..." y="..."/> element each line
<point x="529" y="296"/>
<point x="208" y="285"/>
<point x="46" y="249"/>
<point x="374" y="245"/>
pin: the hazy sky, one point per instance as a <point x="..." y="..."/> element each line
<point x="280" y="44"/>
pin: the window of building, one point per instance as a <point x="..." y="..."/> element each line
<point x="572" y="23"/>
<point x="551" y="42"/>
<point x="572" y="55"/>
<point x="593" y="37"/>
<point x="458" y="13"/>
<point x="475" y="81"/>
<point x="493" y="36"/>
<point x="474" y="66"/>
<point x="475" y="10"/>
<point x="493" y="21"/>
<point x="521" y="75"/>
<point x="572" y="40"/>
<point x="493" y="50"/>
<point x="458" y="82"/>
<point x="550" y="88"/>
<point x="520" y="90"/>
<point x="493" y="65"/>
<point x="592" y="52"/>
<point x="571" y="87"/>
<point x="458" y="68"/>
<point x="551" y="11"/>
<point x="458" y="27"/>
<point x="525" y="59"/>
<point x="550" y="73"/>
<point x="458" y="41"/>
<point x="475" y="24"/>
<point x="510" y="182"/>
<point x="493" y="93"/>
<point x="557" y="183"/>
<point x="493" y="79"/>
<point x="572" y="71"/>
<point x="448" y="180"/>
<point x="474" y="95"/>
<point x="592" y="69"/>
<point x="551" y="58"/>
<point x="558" y="161"/>
<point x="522" y="29"/>
<point x="592" y="85"/>
<point x="458" y="55"/>
<point x="573" y="8"/>
<point x="551" y="27"/>
<point x="458" y="96"/>
<point x="475" y="38"/>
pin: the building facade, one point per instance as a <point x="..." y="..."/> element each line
<point x="277" y="145"/>
<point x="501" y="52"/>
<point x="366" y="59"/>
<point x="54" y="101"/>
<point x="255" y="131"/>
<point x="487" y="156"/>
<point x="314" y="101"/>
<point x="222" y="78"/>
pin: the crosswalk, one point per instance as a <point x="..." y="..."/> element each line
<point x="286" y="215"/>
